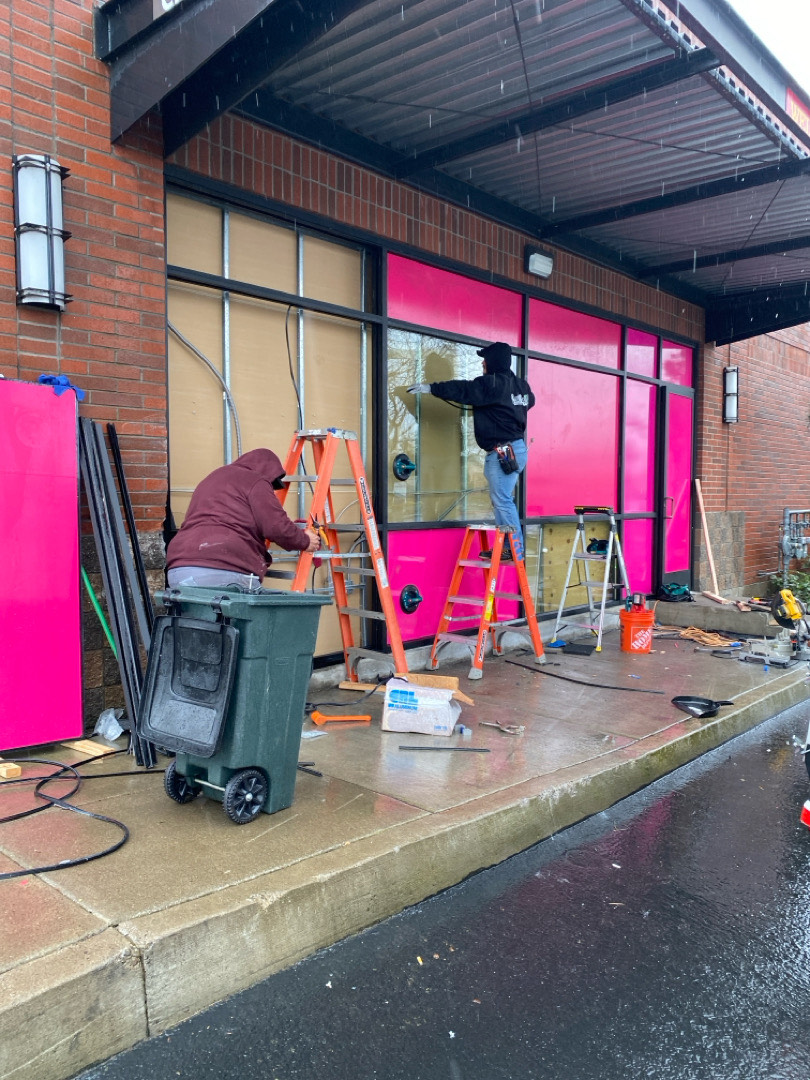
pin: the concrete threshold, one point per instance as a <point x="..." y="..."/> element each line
<point x="117" y="968"/>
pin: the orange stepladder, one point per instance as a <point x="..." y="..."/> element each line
<point x="488" y="623"/>
<point x="345" y="566"/>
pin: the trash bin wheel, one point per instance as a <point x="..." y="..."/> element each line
<point x="245" y="795"/>
<point x="177" y="787"/>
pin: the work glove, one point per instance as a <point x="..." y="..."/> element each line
<point x="419" y="388"/>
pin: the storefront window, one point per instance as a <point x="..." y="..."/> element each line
<point x="447" y="481"/>
<point x="558" y="331"/>
<point x="676" y="364"/>
<point x="285" y="364"/>
<point x="573" y="436"/>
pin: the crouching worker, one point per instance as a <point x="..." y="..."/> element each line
<point x="500" y="402"/>
<point x="232" y="512"/>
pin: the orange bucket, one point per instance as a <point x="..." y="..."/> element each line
<point x="636" y="630"/>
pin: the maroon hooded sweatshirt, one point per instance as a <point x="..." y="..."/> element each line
<point x="231" y="513"/>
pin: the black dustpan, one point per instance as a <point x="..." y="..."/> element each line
<point x="699" y="706"/>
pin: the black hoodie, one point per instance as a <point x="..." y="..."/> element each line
<point x="499" y="399"/>
<point x="231" y="513"/>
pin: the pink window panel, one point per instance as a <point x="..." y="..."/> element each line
<point x="641" y="353"/>
<point x="676" y="364"/>
<point x="639" y="448"/>
<point x="573" y="335"/>
<point x="446" y="301"/>
<point x="678" y="494"/>
<point x="426" y="558"/>
<point x="573" y="436"/>
<point x="637" y="548"/>
<point x="40" y="661"/>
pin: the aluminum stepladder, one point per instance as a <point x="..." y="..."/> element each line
<point x="587" y="558"/>
<point x="343" y="566"/>
<point x="488" y="621"/>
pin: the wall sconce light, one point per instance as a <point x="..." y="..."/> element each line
<point x="538" y="261"/>
<point x="38" y="232"/>
<point x="731" y="412"/>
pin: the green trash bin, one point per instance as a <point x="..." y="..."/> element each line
<point x="254" y="766"/>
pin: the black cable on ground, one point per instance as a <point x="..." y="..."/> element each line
<point x="51" y="800"/>
<point x="312" y="705"/>
<point x="581" y="682"/>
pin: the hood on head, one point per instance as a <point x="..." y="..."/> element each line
<point x="264" y="463"/>
<point x="498" y="356"/>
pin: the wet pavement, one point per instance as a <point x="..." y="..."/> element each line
<point x="666" y="937"/>
<point x="192" y="909"/>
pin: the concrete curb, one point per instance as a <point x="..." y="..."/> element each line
<point x="157" y="970"/>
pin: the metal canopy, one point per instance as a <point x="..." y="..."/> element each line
<point x="653" y="138"/>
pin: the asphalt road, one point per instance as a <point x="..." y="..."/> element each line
<point x="665" y="939"/>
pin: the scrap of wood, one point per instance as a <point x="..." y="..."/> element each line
<point x="416" y="680"/>
<point x="742" y="606"/>
<point x="87" y="746"/>
<point x="9" y="770"/>
<point x="717" y="599"/>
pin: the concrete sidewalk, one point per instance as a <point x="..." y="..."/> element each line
<point x="193" y="908"/>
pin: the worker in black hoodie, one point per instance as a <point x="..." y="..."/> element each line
<point x="500" y="403"/>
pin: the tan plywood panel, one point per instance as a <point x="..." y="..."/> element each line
<point x="195" y="396"/>
<point x="333" y="273"/>
<point x="262" y="254"/>
<point x="260" y="380"/>
<point x="193" y="234"/>
<point x="332" y="356"/>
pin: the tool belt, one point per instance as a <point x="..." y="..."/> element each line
<point x="506" y="458"/>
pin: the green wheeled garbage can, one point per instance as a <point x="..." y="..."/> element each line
<point x="252" y="764"/>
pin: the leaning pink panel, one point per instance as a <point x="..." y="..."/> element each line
<point x="40" y="661"/>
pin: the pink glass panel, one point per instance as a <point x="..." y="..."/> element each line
<point x="40" y="661"/>
<point x="637" y="547"/>
<point x="445" y="301"/>
<point x="676" y="364"/>
<point x="639" y="448"/>
<point x="641" y="351"/>
<point x="678" y="502"/>
<point x="426" y="558"/>
<point x="573" y="435"/>
<point x="573" y="335"/>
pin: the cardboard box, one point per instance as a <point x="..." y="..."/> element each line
<point x="428" y="710"/>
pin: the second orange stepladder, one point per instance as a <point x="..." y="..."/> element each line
<point x="490" y="567"/>
<point x="345" y="566"/>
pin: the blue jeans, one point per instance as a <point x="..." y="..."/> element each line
<point x="502" y="491"/>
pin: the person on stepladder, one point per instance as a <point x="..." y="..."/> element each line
<point x="500" y="403"/>
<point x="232" y="512"/>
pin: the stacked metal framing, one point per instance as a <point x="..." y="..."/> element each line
<point x="128" y="613"/>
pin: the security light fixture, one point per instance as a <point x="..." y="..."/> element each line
<point x="730" y="395"/>
<point x="538" y="261"/>
<point x="38" y="231"/>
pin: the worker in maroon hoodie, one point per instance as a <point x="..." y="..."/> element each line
<point x="232" y="512"/>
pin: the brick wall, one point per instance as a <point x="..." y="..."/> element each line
<point x="758" y="466"/>
<point x="238" y="152"/>
<point x="110" y="340"/>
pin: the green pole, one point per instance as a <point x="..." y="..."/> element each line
<point x="99" y="612"/>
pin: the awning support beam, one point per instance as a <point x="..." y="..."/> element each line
<point x="761" y="311"/>
<point x="710" y="189"/>
<point x="581" y="103"/>
<point x="719" y="258"/>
